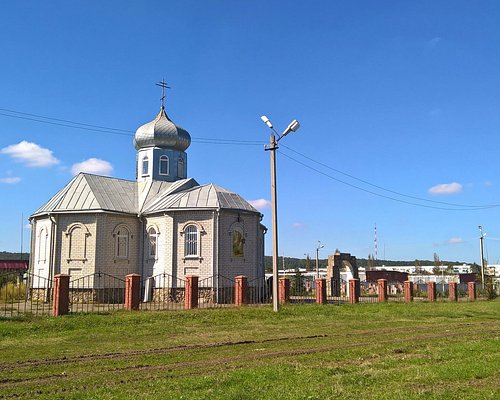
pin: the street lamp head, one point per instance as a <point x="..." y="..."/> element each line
<point x="266" y="121"/>
<point x="292" y="127"/>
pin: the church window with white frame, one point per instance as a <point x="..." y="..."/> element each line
<point x="152" y="243"/>
<point x="191" y="241"/>
<point x="145" y="165"/>
<point x="164" y="165"/>
<point x="122" y="237"/>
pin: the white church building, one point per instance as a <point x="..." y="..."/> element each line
<point x="161" y="223"/>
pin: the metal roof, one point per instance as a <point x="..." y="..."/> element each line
<point x="162" y="132"/>
<point x="206" y="196"/>
<point x="88" y="192"/>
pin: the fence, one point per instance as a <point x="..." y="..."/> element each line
<point x="99" y="292"/>
<point x="24" y="294"/>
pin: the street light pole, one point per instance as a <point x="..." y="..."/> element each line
<point x="273" y="145"/>
<point x="320" y="246"/>
<point x="482" y="254"/>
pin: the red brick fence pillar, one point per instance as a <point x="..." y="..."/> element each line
<point x="471" y="287"/>
<point x="452" y="291"/>
<point x="431" y="291"/>
<point x="354" y="290"/>
<point x="191" y="295"/>
<point x="241" y="290"/>
<point x="320" y="291"/>
<point x="284" y="290"/>
<point x="132" y="291"/>
<point x="60" y="306"/>
<point x="408" y="291"/>
<point x="382" y="290"/>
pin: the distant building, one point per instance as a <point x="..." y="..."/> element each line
<point x="20" y="266"/>
<point x="390" y="276"/>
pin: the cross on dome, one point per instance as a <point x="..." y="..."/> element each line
<point x="163" y="86"/>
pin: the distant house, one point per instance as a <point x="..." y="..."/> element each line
<point x="7" y="266"/>
<point x="390" y="276"/>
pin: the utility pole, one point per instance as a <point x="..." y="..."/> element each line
<point x="482" y="254"/>
<point x="273" y="146"/>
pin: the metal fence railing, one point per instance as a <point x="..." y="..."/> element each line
<point x="216" y="291"/>
<point x="98" y="292"/>
<point x="260" y="291"/>
<point x="162" y="292"/>
<point x="24" y="294"/>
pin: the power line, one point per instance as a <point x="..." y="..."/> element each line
<point x="381" y="195"/>
<point x="389" y="190"/>
<point x="113" y="131"/>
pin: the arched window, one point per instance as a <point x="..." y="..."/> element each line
<point x="152" y="243"/>
<point x="77" y="235"/>
<point x="191" y="241"/>
<point x="164" y="165"/>
<point x="238" y="243"/>
<point x="122" y="236"/>
<point x="180" y="168"/>
<point x="145" y="165"/>
<point x="42" y="245"/>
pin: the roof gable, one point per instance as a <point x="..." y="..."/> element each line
<point x="88" y="192"/>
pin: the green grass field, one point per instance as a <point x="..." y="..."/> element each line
<point x="364" y="351"/>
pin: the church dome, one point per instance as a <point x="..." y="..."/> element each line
<point x="162" y="132"/>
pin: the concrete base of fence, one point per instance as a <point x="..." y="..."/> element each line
<point x="132" y="291"/>
<point x="452" y="291"/>
<point x="471" y="288"/>
<point x="431" y="291"/>
<point x="354" y="289"/>
<point x="60" y="306"/>
<point x="241" y="290"/>
<point x="382" y="290"/>
<point x="408" y="291"/>
<point x="191" y="296"/>
<point x="321" y="291"/>
<point x="284" y="290"/>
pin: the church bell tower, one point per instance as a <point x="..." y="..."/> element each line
<point x="161" y="148"/>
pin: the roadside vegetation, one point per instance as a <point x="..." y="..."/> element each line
<point x="366" y="351"/>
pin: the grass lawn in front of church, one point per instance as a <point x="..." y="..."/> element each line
<point x="365" y="351"/>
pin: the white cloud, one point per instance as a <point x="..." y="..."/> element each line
<point x="260" y="204"/>
<point x="30" y="154"/>
<point x="298" y="225"/>
<point x="488" y="184"/>
<point x="455" y="240"/>
<point x="10" y="180"/>
<point x="93" y="166"/>
<point x="433" y="42"/>
<point x="446" y="188"/>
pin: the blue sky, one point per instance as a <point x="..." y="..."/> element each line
<point x="394" y="98"/>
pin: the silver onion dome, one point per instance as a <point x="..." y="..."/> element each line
<point x="162" y="132"/>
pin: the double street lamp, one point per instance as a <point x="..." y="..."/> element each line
<point x="273" y="145"/>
